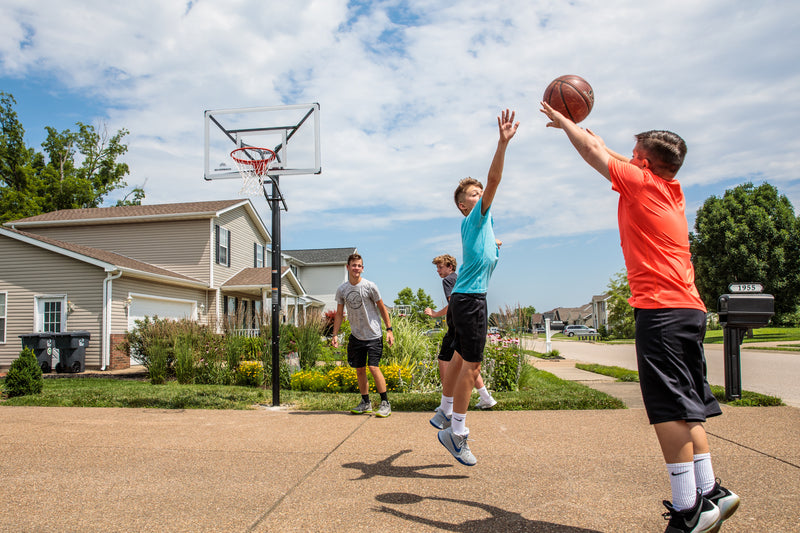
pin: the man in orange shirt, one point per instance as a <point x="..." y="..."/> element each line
<point x="670" y="316"/>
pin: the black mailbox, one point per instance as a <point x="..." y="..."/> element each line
<point x="746" y="310"/>
<point x="739" y="312"/>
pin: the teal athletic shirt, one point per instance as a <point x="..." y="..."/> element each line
<point x="479" y="249"/>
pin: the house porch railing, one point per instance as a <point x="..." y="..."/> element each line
<point x="245" y="332"/>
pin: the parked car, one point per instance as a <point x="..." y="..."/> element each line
<point x="540" y="329"/>
<point x="571" y="331"/>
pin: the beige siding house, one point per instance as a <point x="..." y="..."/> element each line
<point x="101" y="269"/>
<point x="321" y="271"/>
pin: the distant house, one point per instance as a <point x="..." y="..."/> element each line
<point x="565" y="316"/>
<point x="320" y="271"/>
<point x="101" y="269"/>
<point x="600" y="310"/>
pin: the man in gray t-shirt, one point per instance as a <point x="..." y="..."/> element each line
<point x="365" y="309"/>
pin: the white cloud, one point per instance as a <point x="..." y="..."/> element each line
<point x="409" y="92"/>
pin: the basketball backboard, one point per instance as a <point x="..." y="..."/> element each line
<point x="291" y="131"/>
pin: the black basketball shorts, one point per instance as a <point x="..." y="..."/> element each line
<point x="362" y="353"/>
<point x="672" y="365"/>
<point x="470" y="321"/>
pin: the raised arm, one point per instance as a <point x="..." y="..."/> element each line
<point x="591" y="147"/>
<point x="508" y="128"/>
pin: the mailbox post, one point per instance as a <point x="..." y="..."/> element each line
<point x="744" y="308"/>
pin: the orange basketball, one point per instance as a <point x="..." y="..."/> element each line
<point x="570" y="95"/>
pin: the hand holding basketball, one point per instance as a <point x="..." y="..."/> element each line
<point x="556" y="118"/>
<point x="570" y="95"/>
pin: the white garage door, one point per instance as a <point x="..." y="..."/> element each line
<point x="142" y="306"/>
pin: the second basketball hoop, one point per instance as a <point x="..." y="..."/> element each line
<point x="254" y="165"/>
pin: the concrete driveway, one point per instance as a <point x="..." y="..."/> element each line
<point x="767" y="372"/>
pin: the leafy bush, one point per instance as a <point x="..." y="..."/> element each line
<point x="25" y="375"/>
<point x="310" y="380"/>
<point x="398" y="378"/>
<point x="184" y="362"/>
<point x="502" y="364"/>
<point x="504" y="371"/>
<point x="308" y="338"/>
<point x="151" y="331"/>
<point x="212" y="368"/>
<point x="250" y="374"/>
<point x="342" y="379"/>
<point x="158" y="362"/>
<point x="410" y="344"/>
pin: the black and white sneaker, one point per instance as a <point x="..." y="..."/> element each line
<point x="727" y="502"/>
<point x="702" y="518"/>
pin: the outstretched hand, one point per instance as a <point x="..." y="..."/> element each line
<point x="556" y="118"/>
<point x="507" y="125"/>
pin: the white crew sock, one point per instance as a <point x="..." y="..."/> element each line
<point x="446" y="407"/>
<point x="704" y="473"/>
<point x="484" y="394"/>
<point x="684" y="490"/>
<point x="459" y="424"/>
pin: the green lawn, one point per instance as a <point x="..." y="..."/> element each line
<point x="759" y="335"/>
<point x="538" y="390"/>
<point x="748" y="399"/>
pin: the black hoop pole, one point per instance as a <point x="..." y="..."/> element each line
<point x="274" y="204"/>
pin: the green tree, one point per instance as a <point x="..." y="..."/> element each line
<point x="69" y="185"/>
<point x="418" y="302"/>
<point x="526" y="315"/>
<point x="16" y="165"/>
<point x="750" y="234"/>
<point x="621" y="323"/>
<point x="76" y="170"/>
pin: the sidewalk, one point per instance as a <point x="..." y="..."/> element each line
<point x="82" y="469"/>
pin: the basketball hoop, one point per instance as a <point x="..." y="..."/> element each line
<point x="253" y="165"/>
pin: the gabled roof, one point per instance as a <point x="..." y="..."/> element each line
<point x="256" y="278"/>
<point x="136" y="213"/>
<point x="109" y="261"/>
<point x="321" y="256"/>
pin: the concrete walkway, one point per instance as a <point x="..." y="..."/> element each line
<point x="83" y="469"/>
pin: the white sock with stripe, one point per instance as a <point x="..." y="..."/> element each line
<point x="459" y="424"/>
<point x="684" y="490"/>
<point x="484" y="394"/>
<point x="704" y="472"/>
<point x="446" y="407"/>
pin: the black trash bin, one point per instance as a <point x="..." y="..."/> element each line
<point x="72" y="350"/>
<point x="42" y="345"/>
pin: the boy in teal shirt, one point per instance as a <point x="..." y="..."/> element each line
<point x="468" y="300"/>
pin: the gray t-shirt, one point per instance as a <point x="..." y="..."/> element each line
<point x="362" y="308"/>
<point x="448" y="283"/>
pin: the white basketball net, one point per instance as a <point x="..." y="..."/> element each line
<point x="253" y="165"/>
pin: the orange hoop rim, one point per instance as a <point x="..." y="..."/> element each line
<point x="260" y="166"/>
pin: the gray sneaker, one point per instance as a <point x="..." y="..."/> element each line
<point x="362" y="408"/>
<point x="457" y="445"/>
<point x="384" y="409"/>
<point x="486" y="404"/>
<point x="440" y="420"/>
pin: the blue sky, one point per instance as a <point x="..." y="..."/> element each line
<point x="409" y="92"/>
